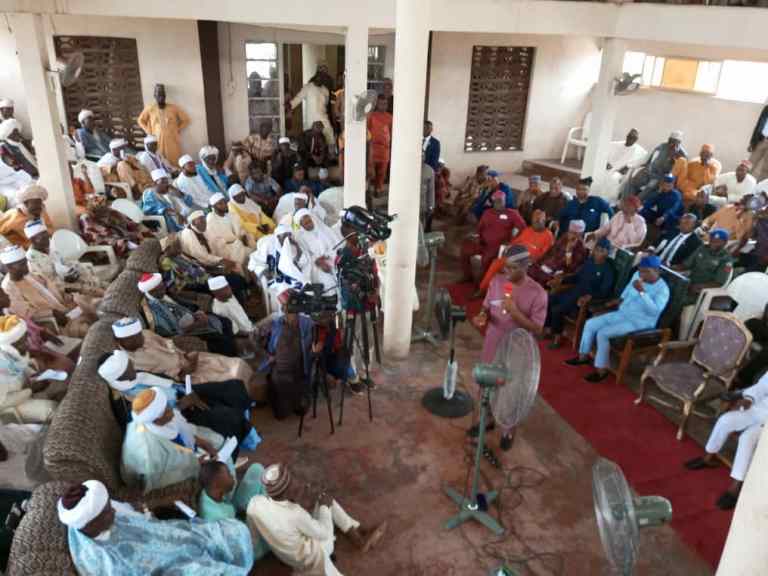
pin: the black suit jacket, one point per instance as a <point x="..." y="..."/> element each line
<point x="686" y="249"/>
<point x="757" y="133"/>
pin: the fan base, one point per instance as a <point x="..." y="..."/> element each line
<point x="469" y="512"/>
<point x="425" y="336"/>
<point x="457" y="407"/>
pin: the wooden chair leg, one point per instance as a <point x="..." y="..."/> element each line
<point x="641" y="396"/>
<point x="626" y="356"/>
<point x="687" y="409"/>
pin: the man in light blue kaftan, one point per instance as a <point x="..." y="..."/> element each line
<point x="170" y="203"/>
<point x="215" y="179"/>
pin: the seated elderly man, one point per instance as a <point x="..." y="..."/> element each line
<point x="641" y="304"/>
<point x="565" y="257"/>
<point x="101" y="225"/>
<point x="553" y="201"/>
<point x="626" y="229"/>
<point x="463" y="197"/>
<point x="660" y="162"/>
<point x="304" y="541"/>
<point x="95" y="142"/>
<point x="247" y="216"/>
<point x="698" y="172"/>
<point x="594" y="280"/>
<point x="152" y="353"/>
<point x="21" y="393"/>
<point x="585" y="207"/>
<point x="169" y="318"/>
<point x="167" y="201"/>
<point x="151" y="159"/>
<point x="313" y="148"/>
<point x="496" y="227"/>
<point x="663" y="209"/>
<point x="38" y="298"/>
<point x="195" y="243"/>
<point x="129" y="169"/>
<point x="733" y="186"/>
<point x="262" y="188"/>
<point x="110" y="537"/>
<point x="320" y="243"/>
<point x="746" y="416"/>
<point x="31" y="206"/>
<point x="191" y="183"/>
<point x="220" y="406"/>
<point x="226" y="238"/>
<point x="492" y="185"/>
<point x="675" y="248"/>
<point x="709" y="267"/>
<point x="215" y="179"/>
<point x="527" y="197"/>
<point x="736" y="219"/>
<point x="282" y="261"/>
<point x="623" y="158"/>
<point x="161" y="447"/>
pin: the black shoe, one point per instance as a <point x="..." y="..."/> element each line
<point x="474" y="432"/>
<point x="506" y="443"/>
<point x="697" y="464"/>
<point x="595" y="377"/>
<point x="577" y="361"/>
<point x="731" y="395"/>
<point x="727" y="501"/>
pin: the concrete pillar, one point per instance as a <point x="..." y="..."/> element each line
<point x="604" y="104"/>
<point x="745" y="552"/>
<point x="355" y="83"/>
<point x="411" y="43"/>
<point x="44" y="117"/>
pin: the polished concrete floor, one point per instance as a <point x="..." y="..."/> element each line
<point x="395" y="468"/>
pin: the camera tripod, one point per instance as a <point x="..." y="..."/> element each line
<point x="363" y="345"/>
<point x="317" y="381"/>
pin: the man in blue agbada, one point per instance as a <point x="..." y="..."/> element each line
<point x="639" y="308"/>
<point x="111" y="538"/>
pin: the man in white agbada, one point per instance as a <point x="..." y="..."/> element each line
<point x="11" y="181"/>
<point x="20" y="394"/>
<point x="150" y="158"/>
<point x="623" y="158"/>
<point x="222" y="234"/>
<point x="315" y="96"/>
<point x="195" y="244"/>
<point x="292" y="201"/>
<point x="282" y="261"/>
<point x="320" y="243"/>
<point x="226" y="305"/>
<point x="160" y="447"/>
<point x="304" y="541"/>
<point x="731" y="187"/>
<point x="332" y="201"/>
<point x="190" y="182"/>
<point x="747" y="417"/>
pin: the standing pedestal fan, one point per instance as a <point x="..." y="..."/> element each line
<point x="620" y="515"/>
<point x="432" y="241"/>
<point x="509" y="388"/>
<point x="446" y="401"/>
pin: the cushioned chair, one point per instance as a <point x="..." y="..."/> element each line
<point x="712" y="365"/>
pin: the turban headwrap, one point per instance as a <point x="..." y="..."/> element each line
<point x="12" y="254"/>
<point x="217" y="282"/>
<point x="234" y="190"/>
<point x="126" y="327"/>
<point x="87" y="508"/>
<point x="6" y="103"/>
<point x="12" y="329"/>
<point x="195" y="215"/>
<point x="218" y="197"/>
<point x="206" y="151"/>
<point x="117" y="143"/>
<point x="186" y="159"/>
<point x="276" y="478"/>
<point x="299" y="214"/>
<point x="149" y="139"/>
<point x="158" y="174"/>
<point x="114" y="366"/>
<point x="148" y="405"/>
<point x="83" y="115"/>
<point x="32" y="192"/>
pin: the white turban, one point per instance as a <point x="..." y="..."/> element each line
<point x="117" y="143"/>
<point x="234" y="190"/>
<point x="83" y="115"/>
<point x="149" y="282"/>
<point x="92" y="504"/>
<point x="32" y="192"/>
<point x="195" y="215"/>
<point x="153" y="410"/>
<point x="126" y="327"/>
<point x="299" y="214"/>
<point x="217" y="282"/>
<point x="33" y="228"/>
<point x="12" y="329"/>
<point x="282" y="229"/>
<point x="284" y="140"/>
<point x="158" y="174"/>
<point x="107" y="161"/>
<point x="676" y="135"/>
<point x="209" y="150"/>
<point x="7" y="127"/>
<point x="6" y="103"/>
<point x="577" y="226"/>
<point x="149" y="139"/>
<point x="301" y="196"/>
<point x="216" y="198"/>
<point x="186" y="159"/>
<point x="114" y="366"/>
<point x="12" y="254"/>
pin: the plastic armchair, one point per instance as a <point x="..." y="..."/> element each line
<point x="70" y="246"/>
<point x="131" y="211"/>
<point x="578" y="137"/>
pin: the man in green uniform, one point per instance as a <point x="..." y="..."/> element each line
<point x="709" y="266"/>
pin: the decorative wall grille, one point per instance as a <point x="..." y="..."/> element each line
<point x="498" y="98"/>
<point x="110" y="84"/>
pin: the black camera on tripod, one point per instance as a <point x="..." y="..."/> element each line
<point x="311" y="301"/>
<point x="371" y="224"/>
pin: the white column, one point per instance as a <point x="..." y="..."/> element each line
<point x="355" y="83"/>
<point x="44" y="117"/>
<point x="604" y="104"/>
<point x="745" y="552"/>
<point x="411" y="43"/>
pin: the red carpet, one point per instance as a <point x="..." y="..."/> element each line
<point x="639" y="439"/>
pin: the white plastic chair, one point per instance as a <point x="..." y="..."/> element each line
<point x="71" y="247"/>
<point x="578" y="137"/>
<point x="94" y="174"/>
<point x="131" y="211"/>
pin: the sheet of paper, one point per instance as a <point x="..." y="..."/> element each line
<point x="225" y="452"/>
<point x="185" y="509"/>
<point x="188" y="385"/>
<point x="59" y="375"/>
<point x="75" y="313"/>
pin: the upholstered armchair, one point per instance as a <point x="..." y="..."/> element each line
<point x="712" y="364"/>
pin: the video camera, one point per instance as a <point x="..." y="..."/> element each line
<point x="311" y="301"/>
<point x="371" y="224"/>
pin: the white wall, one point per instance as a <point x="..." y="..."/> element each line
<point x="564" y="70"/>
<point x="168" y="52"/>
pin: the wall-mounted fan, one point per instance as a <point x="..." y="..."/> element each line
<point x="620" y="515"/>
<point x="446" y="401"/>
<point x="365" y="102"/>
<point x="68" y="69"/>
<point x="626" y="84"/>
<point x="514" y="379"/>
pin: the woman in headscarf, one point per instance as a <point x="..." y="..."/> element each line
<point x="247" y="216"/>
<point x="100" y="225"/>
<point x="565" y="257"/>
<point x="320" y="243"/>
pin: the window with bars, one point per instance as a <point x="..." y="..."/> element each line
<point x="376" y="59"/>
<point x="498" y="98"/>
<point x="262" y="66"/>
<point x="109" y="85"/>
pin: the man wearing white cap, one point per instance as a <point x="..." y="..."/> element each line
<point x="283" y="161"/>
<point x="151" y="159"/>
<point x="30" y="207"/>
<point x="164" y="200"/>
<point x="190" y="182"/>
<point x="660" y="162"/>
<point x="225" y="305"/>
<point x="225" y="238"/>
<point x="94" y="141"/>
<point x="166" y="121"/>
<point x="247" y="216"/>
<point x="38" y="298"/>
<point x="129" y="169"/>
<point x="6" y="109"/>
<point x="282" y="261"/>
<point x="110" y="537"/>
<point x="215" y="179"/>
<point x="196" y="245"/>
<point x="20" y="394"/>
<point x="16" y="153"/>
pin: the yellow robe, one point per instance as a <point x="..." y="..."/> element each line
<point x="167" y="124"/>
<point x="247" y="218"/>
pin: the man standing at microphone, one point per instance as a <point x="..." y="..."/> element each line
<point x="514" y="300"/>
